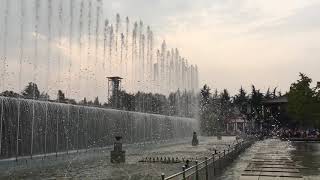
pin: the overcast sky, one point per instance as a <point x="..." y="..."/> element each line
<point x="234" y="42"/>
<point x="237" y="42"/>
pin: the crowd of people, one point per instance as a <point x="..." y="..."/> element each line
<point x="299" y="133"/>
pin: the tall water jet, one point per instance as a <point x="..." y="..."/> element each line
<point x="71" y="6"/>
<point x="81" y="69"/>
<point x="167" y="73"/>
<point x="172" y="70"/>
<point x="157" y="69"/>
<point x="117" y="33"/>
<point x="21" y="54"/>
<point x="89" y="45"/>
<point x="148" y="53"/>
<point x="134" y="54"/>
<point x="60" y="24"/>
<point x="111" y="39"/>
<point x="35" y="63"/>
<point x="4" y="65"/>
<point x="105" y="39"/>
<point x="127" y="44"/>
<point x="97" y="26"/>
<point x="150" y="36"/>
<point x="162" y="64"/>
<point x="122" y="46"/>
<point x="49" y="39"/>
<point x="140" y="61"/>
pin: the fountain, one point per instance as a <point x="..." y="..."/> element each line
<point x="70" y="45"/>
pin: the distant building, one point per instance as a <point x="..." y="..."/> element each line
<point x="275" y="111"/>
<point x="236" y="123"/>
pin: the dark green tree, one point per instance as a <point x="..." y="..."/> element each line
<point x="241" y="101"/>
<point x="256" y="103"/>
<point x="61" y="97"/>
<point x="300" y="97"/>
<point x="31" y="91"/>
<point x="10" y="94"/>
<point x="205" y="112"/>
<point x="44" y="96"/>
<point x="96" y="101"/>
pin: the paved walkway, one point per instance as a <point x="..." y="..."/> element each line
<point x="272" y="161"/>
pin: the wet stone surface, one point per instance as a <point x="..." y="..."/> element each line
<point x="96" y="165"/>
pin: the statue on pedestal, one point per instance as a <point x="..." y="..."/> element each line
<point x="118" y="155"/>
<point x="195" y="141"/>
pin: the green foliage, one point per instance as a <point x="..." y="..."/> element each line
<point x="303" y="102"/>
<point x="206" y="124"/>
<point x="61" y="97"/>
<point x="214" y="110"/>
<point x="44" y="96"/>
<point x="10" y="94"/>
<point x="256" y="103"/>
<point x="241" y="100"/>
<point x="96" y="101"/>
<point x="31" y="91"/>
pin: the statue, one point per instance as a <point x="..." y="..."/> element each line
<point x="118" y="155"/>
<point x="195" y="141"/>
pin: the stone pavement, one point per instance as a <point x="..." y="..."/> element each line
<point x="272" y="161"/>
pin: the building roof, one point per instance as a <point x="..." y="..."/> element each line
<point x="115" y="78"/>
<point x="279" y="100"/>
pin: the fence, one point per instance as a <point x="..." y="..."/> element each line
<point x="211" y="166"/>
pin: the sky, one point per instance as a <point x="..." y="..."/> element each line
<point x="237" y="42"/>
<point x="234" y="42"/>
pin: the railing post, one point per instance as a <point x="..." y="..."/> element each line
<point x="213" y="165"/>
<point x="162" y="176"/>
<point x="235" y="148"/>
<point x="184" y="172"/>
<point x="219" y="160"/>
<point x="224" y="158"/>
<point x="197" y="171"/>
<point x="206" y="162"/>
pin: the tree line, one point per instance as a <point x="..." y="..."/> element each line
<point x="302" y="109"/>
<point x="217" y="108"/>
<point x="179" y="103"/>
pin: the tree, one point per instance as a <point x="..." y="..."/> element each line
<point x="61" y="97"/>
<point x="205" y="112"/>
<point x="44" y="96"/>
<point x="96" y="101"/>
<point x="31" y="91"/>
<point x="241" y="101"/>
<point x="225" y="108"/>
<point x="84" y="101"/>
<point x="300" y="97"/>
<point x="268" y="94"/>
<point x="10" y="94"/>
<point x="256" y="105"/>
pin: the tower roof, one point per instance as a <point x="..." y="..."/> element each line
<point x="115" y="78"/>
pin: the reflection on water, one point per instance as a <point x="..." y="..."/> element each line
<point x="307" y="155"/>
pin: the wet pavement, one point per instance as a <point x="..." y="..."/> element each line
<point x="304" y="156"/>
<point x="96" y="165"/>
